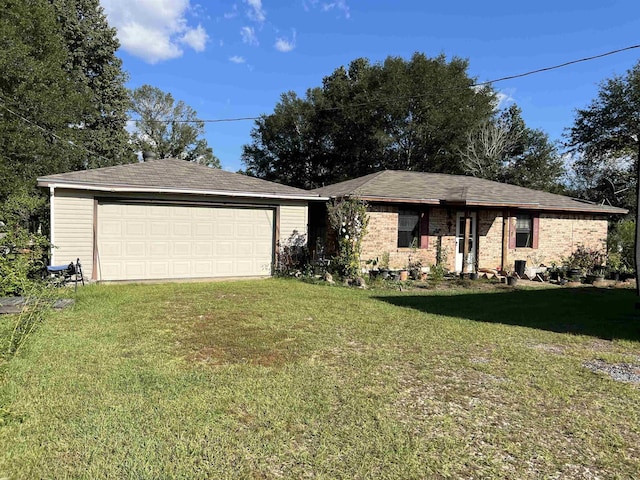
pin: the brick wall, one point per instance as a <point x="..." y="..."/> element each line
<point x="559" y="235"/>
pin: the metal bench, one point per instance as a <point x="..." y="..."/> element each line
<point x="64" y="274"/>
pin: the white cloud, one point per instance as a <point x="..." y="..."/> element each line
<point x="256" y="12"/>
<point x="283" y="45"/>
<point x="248" y="35"/>
<point x="504" y="98"/>
<point x="237" y="59"/>
<point x="233" y="13"/>
<point x="154" y="30"/>
<point x="196" y="38"/>
<point x="340" y="5"/>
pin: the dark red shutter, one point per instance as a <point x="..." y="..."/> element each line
<point x="424" y="229"/>
<point x="536" y="228"/>
<point x="512" y="232"/>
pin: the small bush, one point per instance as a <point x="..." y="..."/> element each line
<point x="23" y="259"/>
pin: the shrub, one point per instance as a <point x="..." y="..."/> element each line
<point x="621" y="242"/>
<point x="586" y="259"/>
<point x="293" y="256"/>
<point x="23" y="252"/>
<point x="348" y="218"/>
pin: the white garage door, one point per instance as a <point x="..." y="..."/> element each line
<point x="144" y="242"/>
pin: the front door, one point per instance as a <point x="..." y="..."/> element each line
<point x="471" y="255"/>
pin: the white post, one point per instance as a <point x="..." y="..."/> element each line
<point x="52" y="223"/>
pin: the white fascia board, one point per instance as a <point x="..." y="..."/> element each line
<point x="137" y="189"/>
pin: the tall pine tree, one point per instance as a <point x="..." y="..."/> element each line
<point x="92" y="63"/>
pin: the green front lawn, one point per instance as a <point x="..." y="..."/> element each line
<point x="277" y="378"/>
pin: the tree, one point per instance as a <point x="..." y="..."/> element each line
<point x="94" y="66"/>
<point x="606" y="136"/>
<point x="400" y="114"/>
<point x="38" y="100"/>
<point x="169" y="129"/>
<point x="504" y="149"/>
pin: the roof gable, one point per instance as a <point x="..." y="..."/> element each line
<point x="438" y="188"/>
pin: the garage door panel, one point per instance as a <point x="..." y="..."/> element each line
<point x="135" y="249"/>
<point x="224" y="248"/>
<point x="141" y="241"/>
<point x="159" y="269"/>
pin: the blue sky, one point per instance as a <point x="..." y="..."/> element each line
<point x="231" y="59"/>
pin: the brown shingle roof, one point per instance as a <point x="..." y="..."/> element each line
<point x="171" y="174"/>
<point x="437" y="188"/>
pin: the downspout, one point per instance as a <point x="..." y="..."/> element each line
<point x="52" y="196"/>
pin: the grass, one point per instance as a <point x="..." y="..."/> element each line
<point x="277" y="378"/>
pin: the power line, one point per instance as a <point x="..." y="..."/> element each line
<point x="479" y="84"/>
<point x="240" y="119"/>
<point x="50" y="133"/>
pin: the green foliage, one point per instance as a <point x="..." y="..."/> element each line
<point x="438" y="271"/>
<point x="169" y="129"/>
<point x="93" y="65"/>
<point x="38" y="301"/>
<point x="621" y="244"/>
<point x="61" y="91"/>
<point x="293" y="256"/>
<point x="586" y="259"/>
<point x="35" y="89"/>
<point x="605" y="140"/>
<point x="349" y="220"/>
<point x="22" y="261"/>
<point x="23" y="254"/>
<point x="400" y="114"/>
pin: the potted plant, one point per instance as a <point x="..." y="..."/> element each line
<point x="614" y="263"/>
<point x="372" y="264"/>
<point x="384" y="265"/>
<point x="512" y="279"/>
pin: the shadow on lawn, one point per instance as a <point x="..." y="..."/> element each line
<point x="606" y="314"/>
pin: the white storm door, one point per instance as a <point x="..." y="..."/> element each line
<point x="460" y="221"/>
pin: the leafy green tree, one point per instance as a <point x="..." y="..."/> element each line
<point x="94" y="67"/>
<point x="38" y="100"/>
<point x="605" y="140"/>
<point x="169" y="129"/>
<point x="606" y="136"/>
<point x="400" y="114"/>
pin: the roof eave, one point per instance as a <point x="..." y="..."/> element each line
<point x="475" y="203"/>
<point x="116" y="188"/>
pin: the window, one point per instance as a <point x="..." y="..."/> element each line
<point x="524" y="231"/>
<point x="408" y="226"/>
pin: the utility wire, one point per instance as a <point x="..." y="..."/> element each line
<point x="50" y="133"/>
<point x="240" y="119"/>
<point x="479" y="84"/>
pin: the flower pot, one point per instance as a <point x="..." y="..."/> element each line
<point x="404" y="275"/>
<point x="512" y="281"/>
<point x="473" y="276"/>
<point x="574" y="273"/>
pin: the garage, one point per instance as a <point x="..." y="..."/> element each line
<point x="171" y="219"/>
<point x="151" y="241"/>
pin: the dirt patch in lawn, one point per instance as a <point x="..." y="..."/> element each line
<point x="621" y="372"/>
<point x="236" y="340"/>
